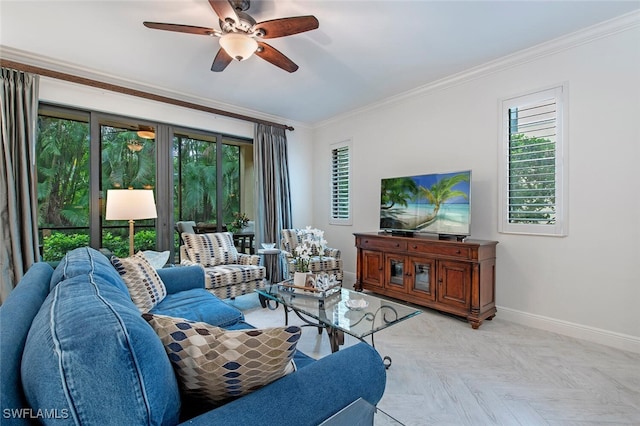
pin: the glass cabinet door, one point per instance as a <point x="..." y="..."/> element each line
<point x="423" y="278"/>
<point x="395" y="270"/>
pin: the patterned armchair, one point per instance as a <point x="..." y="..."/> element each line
<point x="328" y="262"/>
<point x="228" y="274"/>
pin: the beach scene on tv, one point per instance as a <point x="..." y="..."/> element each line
<point x="433" y="203"/>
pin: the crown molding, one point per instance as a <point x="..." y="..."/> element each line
<point x="57" y="66"/>
<point x="595" y="32"/>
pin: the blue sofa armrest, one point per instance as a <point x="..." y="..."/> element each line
<point x="310" y="395"/>
<point x="182" y="278"/>
<point x="16" y="315"/>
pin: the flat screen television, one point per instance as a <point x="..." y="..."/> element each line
<point x="438" y="203"/>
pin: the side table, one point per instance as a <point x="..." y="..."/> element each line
<point x="271" y="262"/>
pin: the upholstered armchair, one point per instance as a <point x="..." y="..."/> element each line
<point x="329" y="261"/>
<point x="228" y="274"/>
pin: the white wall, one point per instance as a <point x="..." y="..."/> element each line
<point x="586" y="284"/>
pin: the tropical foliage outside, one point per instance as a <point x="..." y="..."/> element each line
<point x="63" y="164"/>
<point x="532" y="189"/>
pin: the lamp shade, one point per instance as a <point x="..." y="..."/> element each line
<point x="130" y="204"/>
<point x="239" y="46"/>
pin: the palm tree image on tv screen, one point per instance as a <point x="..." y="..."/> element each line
<point x="432" y="203"/>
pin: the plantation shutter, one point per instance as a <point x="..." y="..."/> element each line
<point x="533" y="147"/>
<point x="532" y="168"/>
<point x="340" y="183"/>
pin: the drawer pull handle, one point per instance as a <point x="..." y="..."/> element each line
<point x="458" y="251"/>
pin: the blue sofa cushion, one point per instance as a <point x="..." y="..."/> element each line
<point x="198" y="305"/>
<point x="85" y="260"/>
<point x="90" y="355"/>
<point x="216" y="365"/>
<point x="145" y="286"/>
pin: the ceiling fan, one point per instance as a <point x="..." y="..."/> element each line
<point x="241" y="36"/>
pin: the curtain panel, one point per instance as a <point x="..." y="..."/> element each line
<point x="272" y="189"/>
<point x="18" y="194"/>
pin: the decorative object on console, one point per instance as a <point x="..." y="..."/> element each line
<point x="131" y="205"/>
<point x="217" y="364"/>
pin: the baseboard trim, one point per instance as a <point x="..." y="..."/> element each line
<point x="566" y="328"/>
<point x="348" y="279"/>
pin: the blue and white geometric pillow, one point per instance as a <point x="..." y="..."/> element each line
<point x="145" y="286"/>
<point x="215" y="364"/>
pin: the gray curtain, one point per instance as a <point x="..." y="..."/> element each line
<point x="272" y="183"/>
<point x="18" y="196"/>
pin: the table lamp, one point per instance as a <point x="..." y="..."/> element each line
<point x="131" y="205"/>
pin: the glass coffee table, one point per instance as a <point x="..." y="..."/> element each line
<point x="355" y="313"/>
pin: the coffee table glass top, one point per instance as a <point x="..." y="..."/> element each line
<point x="359" y="321"/>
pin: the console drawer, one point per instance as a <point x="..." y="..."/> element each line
<point x="383" y="244"/>
<point x="440" y="249"/>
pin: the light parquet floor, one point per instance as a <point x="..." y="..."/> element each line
<point x="446" y="373"/>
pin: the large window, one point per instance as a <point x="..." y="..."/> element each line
<point x="212" y="178"/>
<point x="62" y="158"/>
<point x="341" y="184"/>
<point x="533" y="170"/>
<point x="127" y="161"/>
<point x="195" y="175"/>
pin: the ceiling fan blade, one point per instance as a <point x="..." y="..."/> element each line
<point x="224" y="10"/>
<point x="221" y="61"/>
<point x="286" y="26"/>
<point x="180" y="28"/>
<point x="273" y="55"/>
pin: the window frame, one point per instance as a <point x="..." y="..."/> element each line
<point x="333" y="196"/>
<point x="165" y="233"/>
<point x="559" y="93"/>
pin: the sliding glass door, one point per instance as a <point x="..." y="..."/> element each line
<point x="127" y="161"/>
<point x="196" y="175"/>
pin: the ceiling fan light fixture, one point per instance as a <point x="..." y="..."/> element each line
<point x="239" y="46"/>
<point x="146" y="134"/>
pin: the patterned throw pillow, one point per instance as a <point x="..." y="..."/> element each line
<point x="211" y="249"/>
<point x="216" y="364"/>
<point x="145" y="286"/>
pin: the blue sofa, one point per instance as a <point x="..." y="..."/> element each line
<point x="75" y="350"/>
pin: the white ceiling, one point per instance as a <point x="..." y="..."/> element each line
<point x="363" y="52"/>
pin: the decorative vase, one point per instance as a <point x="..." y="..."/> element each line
<point x="304" y="279"/>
